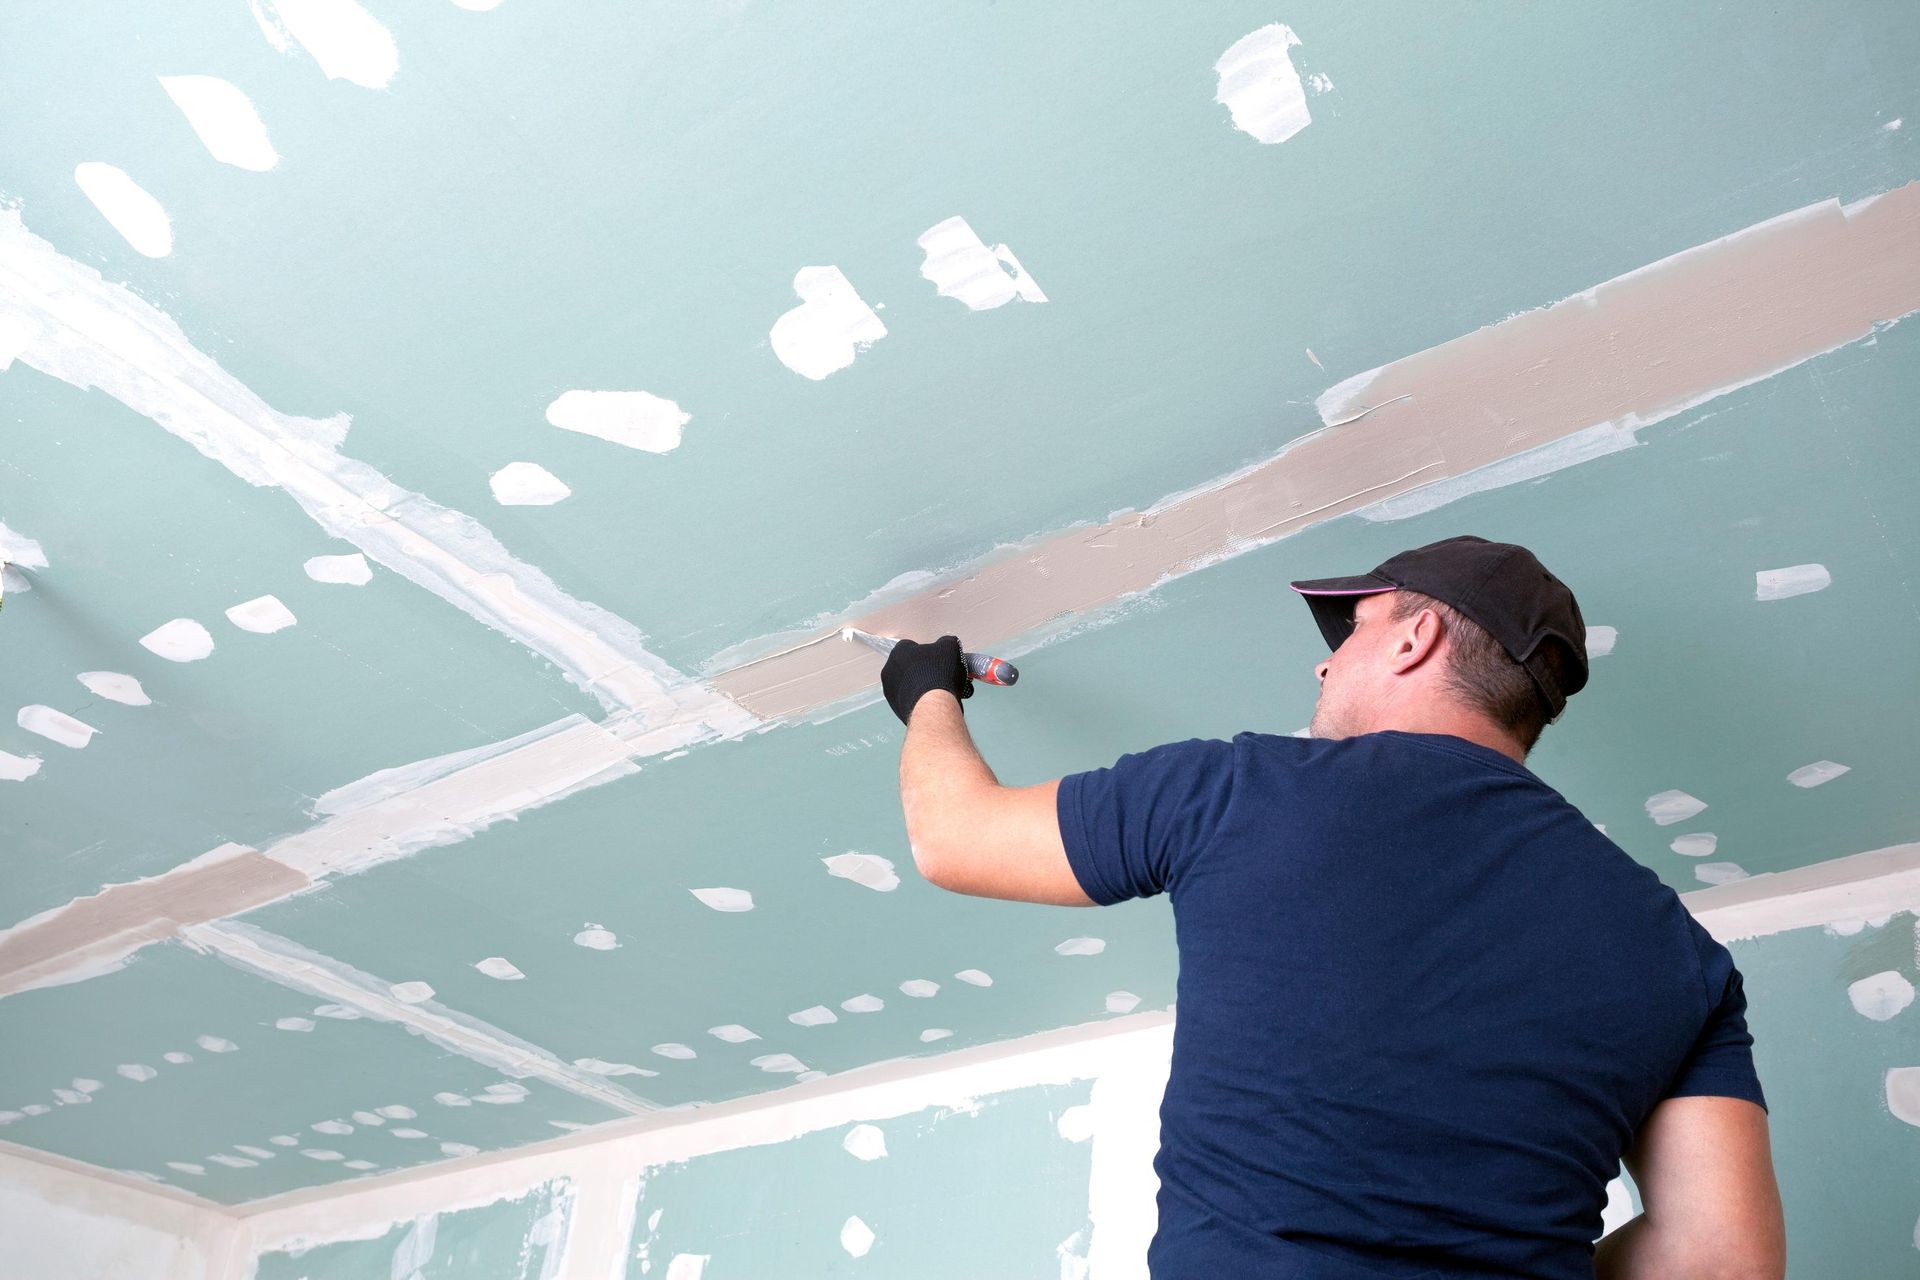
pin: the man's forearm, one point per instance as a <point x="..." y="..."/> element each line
<point x="940" y="769"/>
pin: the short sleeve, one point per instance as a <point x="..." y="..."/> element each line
<point x="1721" y="1061"/>
<point x="1129" y="829"/>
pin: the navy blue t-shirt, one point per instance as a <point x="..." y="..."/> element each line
<point x="1423" y="1004"/>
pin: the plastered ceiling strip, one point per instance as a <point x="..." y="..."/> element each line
<point x="291" y="965"/>
<point x="88" y="332"/>
<point x="1863" y="886"/>
<point x="1639" y="348"/>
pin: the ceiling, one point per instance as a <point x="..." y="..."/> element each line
<point x="529" y="200"/>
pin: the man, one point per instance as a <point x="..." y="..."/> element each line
<point x="1425" y="1007"/>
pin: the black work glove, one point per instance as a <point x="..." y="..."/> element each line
<point x="914" y="669"/>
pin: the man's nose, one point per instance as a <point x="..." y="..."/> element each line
<point x="1320" y="669"/>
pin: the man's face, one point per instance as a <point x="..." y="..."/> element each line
<point x="1350" y="676"/>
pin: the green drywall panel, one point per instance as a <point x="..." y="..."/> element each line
<point x="991" y="1191"/>
<point x="246" y="1083"/>
<point x="139" y="529"/>
<point x="518" y="1239"/>
<point x="1849" y="1170"/>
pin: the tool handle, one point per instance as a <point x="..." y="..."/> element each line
<point x="990" y="670"/>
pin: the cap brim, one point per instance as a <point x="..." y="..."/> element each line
<point x="1332" y="600"/>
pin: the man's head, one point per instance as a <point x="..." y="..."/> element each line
<point x="1462" y="636"/>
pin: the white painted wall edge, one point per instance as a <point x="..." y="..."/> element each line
<point x="108" y="1226"/>
<point x="1860" y="886"/>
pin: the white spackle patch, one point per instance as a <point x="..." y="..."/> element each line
<point x="594" y="938"/>
<point x="338" y="1012"/>
<point x="1122" y="1002"/>
<point x="294" y="1024"/>
<point x="1719" y="872"/>
<point x="284" y="1140"/>
<point x="1669" y="807"/>
<point x="408" y="1133"/>
<point x="817" y="1016"/>
<point x="1076" y="1123"/>
<point x="115" y="686"/>
<point x="1843" y="928"/>
<point x="1695" y="844"/>
<point x="135" y="214"/>
<point x="215" y="1044"/>
<point x="975" y="977"/>
<point x="182" y="640"/>
<point x="961" y="266"/>
<point x="71" y="1097"/>
<point x="1812" y="775"/>
<point x="257" y="1153"/>
<point x="636" y="419"/>
<point x="805" y="1076"/>
<point x="263" y="615"/>
<point x="829" y="327"/>
<point x="935" y="1033"/>
<point x="322" y="1154"/>
<point x="674" y="1050"/>
<point x="371" y="1119"/>
<point x="84" y="1085"/>
<point x="501" y="968"/>
<point x="447" y="1099"/>
<point x="345" y="571"/>
<point x="55" y="726"/>
<point x="919" y="988"/>
<point x="176" y="1057"/>
<point x="1794" y="580"/>
<point x="504" y="1094"/>
<point x="856" y="1237"/>
<point x="1600" y="641"/>
<point x="225" y="119"/>
<point x="138" y="1072"/>
<point x="778" y="1062"/>
<point x="527" y="484"/>
<point x="1893" y="126"/>
<point x="865" y="1142"/>
<point x="1259" y="86"/>
<point x="1319" y="82"/>
<point x="1881" y="996"/>
<point x="15" y="768"/>
<point x="863" y="1003"/>
<point x="687" y="1266"/>
<point x="411" y="992"/>
<point x="234" y="1162"/>
<point x="361" y="1165"/>
<point x="721" y="899"/>
<point x="1082" y="947"/>
<point x="35" y="1109"/>
<point x="17" y="548"/>
<point x="601" y="1067"/>
<point x="863" y="869"/>
<point x="346" y="40"/>
<point x="187" y="1166"/>
<point x="458" y="1149"/>
<point x="1903" y="1094"/>
<point x="732" y="1033"/>
<point x="333" y="1128"/>
<point x="395" y="1111"/>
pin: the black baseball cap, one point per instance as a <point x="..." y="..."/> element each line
<point x="1501" y="586"/>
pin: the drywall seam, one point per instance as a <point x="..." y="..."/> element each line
<point x="613" y="1153"/>
<point x="1633" y="351"/>
<point x="291" y="965"/>
<point x="89" y="333"/>
<point x="96" y="934"/>
<point x="1858" y="887"/>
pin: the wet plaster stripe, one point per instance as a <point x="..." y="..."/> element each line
<point x="1859" y="887"/>
<point x="1639" y="348"/>
<point x="281" y="960"/>
<point x="94" y="934"/>
<point x="89" y="332"/>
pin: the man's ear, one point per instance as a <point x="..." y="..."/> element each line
<point x="1417" y="641"/>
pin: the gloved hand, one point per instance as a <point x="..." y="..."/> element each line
<point x="914" y="669"/>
